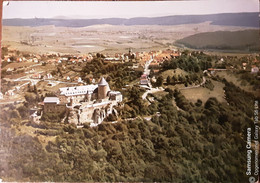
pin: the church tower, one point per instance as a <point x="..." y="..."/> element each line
<point x="130" y="52"/>
<point x="103" y="88"/>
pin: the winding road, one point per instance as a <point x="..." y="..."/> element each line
<point x="196" y="86"/>
<point x="154" y="90"/>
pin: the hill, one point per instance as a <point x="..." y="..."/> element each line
<point x="227" y="19"/>
<point x="246" y="40"/>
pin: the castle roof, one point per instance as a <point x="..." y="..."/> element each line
<point x="102" y="82"/>
<point x="78" y="90"/>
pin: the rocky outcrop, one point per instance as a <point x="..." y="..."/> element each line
<point x="90" y="114"/>
<point x="73" y="117"/>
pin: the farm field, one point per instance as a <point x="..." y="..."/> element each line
<point x="102" y="38"/>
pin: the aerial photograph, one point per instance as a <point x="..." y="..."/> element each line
<point x="130" y="91"/>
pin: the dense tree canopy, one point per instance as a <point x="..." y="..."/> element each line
<point x="191" y="143"/>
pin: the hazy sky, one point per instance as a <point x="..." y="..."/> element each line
<point x="123" y="9"/>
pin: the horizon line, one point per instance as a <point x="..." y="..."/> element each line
<point x="71" y="18"/>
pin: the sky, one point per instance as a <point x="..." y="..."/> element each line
<point x="123" y="9"/>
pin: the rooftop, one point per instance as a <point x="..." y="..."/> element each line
<point x="115" y="93"/>
<point x="103" y="82"/>
<point x="77" y="90"/>
<point x="51" y="100"/>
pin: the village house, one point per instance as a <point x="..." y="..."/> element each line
<point x="48" y="76"/>
<point x="144" y="80"/>
<point x="35" y="60"/>
<point x="7" y="59"/>
<point x="36" y="76"/>
<point x="1" y="95"/>
<point x="9" y="93"/>
<point x="19" y="59"/>
<point x="112" y="60"/>
<point x="254" y="69"/>
<point x="9" y="70"/>
<point x="244" y="65"/>
<point x="154" y="65"/>
<point x="51" y="84"/>
<point x="88" y="58"/>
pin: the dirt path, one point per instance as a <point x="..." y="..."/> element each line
<point x="196" y="86"/>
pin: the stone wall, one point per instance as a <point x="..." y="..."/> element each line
<point x="54" y="108"/>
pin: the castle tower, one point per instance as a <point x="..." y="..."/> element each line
<point x="103" y="88"/>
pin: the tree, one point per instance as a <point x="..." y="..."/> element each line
<point x="198" y="103"/>
<point x="168" y="80"/>
<point x="4" y="51"/>
<point x="181" y="79"/>
<point x="88" y="81"/>
<point x="23" y="111"/>
<point x="15" y="114"/>
<point x="98" y="55"/>
<point x="159" y="81"/>
<point x="53" y="72"/>
<point x="174" y="79"/>
<point x="29" y="98"/>
<point x="35" y="89"/>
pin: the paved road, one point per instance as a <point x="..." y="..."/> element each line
<point x="153" y="90"/>
<point x="147" y="72"/>
<point x="146" y="67"/>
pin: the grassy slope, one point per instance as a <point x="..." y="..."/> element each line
<point x="204" y="94"/>
<point x="171" y="73"/>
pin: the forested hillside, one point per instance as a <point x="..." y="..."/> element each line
<point x="247" y="40"/>
<point x="204" y="143"/>
<point x="227" y="19"/>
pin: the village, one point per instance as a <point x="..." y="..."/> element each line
<point x="80" y="100"/>
<point x="30" y="71"/>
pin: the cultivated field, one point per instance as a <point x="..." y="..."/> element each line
<point x="101" y="38"/>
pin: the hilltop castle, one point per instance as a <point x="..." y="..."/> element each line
<point x="84" y="104"/>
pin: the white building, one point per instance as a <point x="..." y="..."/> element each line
<point x="254" y="70"/>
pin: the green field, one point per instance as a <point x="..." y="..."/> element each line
<point x="204" y="94"/>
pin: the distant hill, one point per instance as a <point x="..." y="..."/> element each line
<point x="247" y="40"/>
<point x="228" y="19"/>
